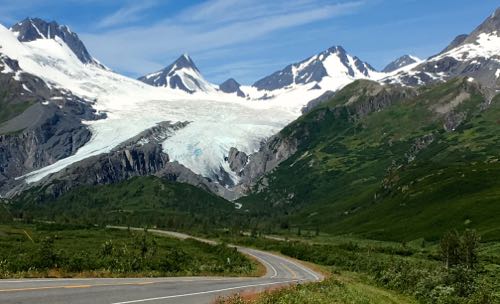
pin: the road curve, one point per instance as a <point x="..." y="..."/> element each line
<point x="180" y="290"/>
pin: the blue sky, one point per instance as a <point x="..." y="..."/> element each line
<point x="248" y="39"/>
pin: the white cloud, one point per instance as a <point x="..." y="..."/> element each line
<point x="205" y="27"/>
<point x="129" y="13"/>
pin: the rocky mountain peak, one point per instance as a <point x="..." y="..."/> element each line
<point x="333" y="62"/>
<point x="475" y="56"/>
<point x="401" y="62"/>
<point x="31" y="29"/>
<point x="337" y="49"/>
<point x="182" y="74"/>
<point x="490" y="25"/>
<point x="184" y="62"/>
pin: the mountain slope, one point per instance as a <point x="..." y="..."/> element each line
<point x="398" y="164"/>
<point x="181" y="74"/>
<point x="332" y="67"/>
<point x="140" y="201"/>
<point x="476" y="55"/>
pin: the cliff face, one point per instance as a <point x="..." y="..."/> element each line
<point x="38" y="124"/>
<point x="108" y="168"/>
<point x="141" y="155"/>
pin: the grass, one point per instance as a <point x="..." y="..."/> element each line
<point x="342" y="288"/>
<point x="393" y="272"/>
<point x="53" y="250"/>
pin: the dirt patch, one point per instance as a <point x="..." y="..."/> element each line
<point x="444" y="108"/>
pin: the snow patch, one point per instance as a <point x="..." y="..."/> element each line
<point x="26" y="88"/>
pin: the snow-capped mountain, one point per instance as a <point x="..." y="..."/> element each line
<point x="401" y="62"/>
<point x="216" y="121"/>
<point x="181" y="74"/>
<point x="476" y="55"/>
<point x="308" y="79"/>
<point x="231" y="86"/>
<point x="334" y="63"/>
<point x="31" y="29"/>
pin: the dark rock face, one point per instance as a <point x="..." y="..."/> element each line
<point x="399" y="63"/>
<point x="108" y="168"/>
<point x="237" y="160"/>
<point x="35" y="28"/>
<point x="314" y="71"/>
<point x="47" y="128"/>
<point x="271" y="153"/>
<point x="231" y="86"/>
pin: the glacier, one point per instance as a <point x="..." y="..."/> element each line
<point x="219" y="121"/>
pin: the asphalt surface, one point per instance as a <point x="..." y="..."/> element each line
<point x="182" y="290"/>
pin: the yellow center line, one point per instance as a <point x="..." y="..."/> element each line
<point x="77" y="286"/>
<point x="294" y="274"/>
<point x="100" y="285"/>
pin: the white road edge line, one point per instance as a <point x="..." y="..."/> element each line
<point x="204" y="292"/>
<point x="275" y="272"/>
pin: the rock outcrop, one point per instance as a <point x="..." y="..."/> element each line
<point x="107" y="168"/>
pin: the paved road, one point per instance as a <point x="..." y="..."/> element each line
<point x="183" y="290"/>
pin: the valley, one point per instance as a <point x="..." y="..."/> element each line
<point x="326" y="181"/>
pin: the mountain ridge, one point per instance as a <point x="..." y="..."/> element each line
<point x="476" y="56"/>
<point x="315" y="68"/>
<point x="31" y="29"/>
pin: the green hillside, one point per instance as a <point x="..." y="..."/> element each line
<point x="380" y="162"/>
<point x="140" y="201"/>
<point x="377" y="162"/>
